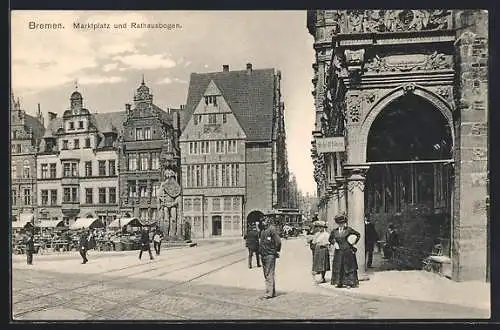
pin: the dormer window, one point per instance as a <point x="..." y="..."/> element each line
<point x="80" y="124"/>
<point x="211" y="100"/>
<point x="71" y="125"/>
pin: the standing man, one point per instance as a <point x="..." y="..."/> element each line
<point x="270" y="246"/>
<point x="371" y="237"/>
<point x="252" y="244"/>
<point x="84" y="246"/>
<point x="157" y="237"/>
<point x="145" y="244"/>
<point x="391" y="241"/>
<point x="30" y="247"/>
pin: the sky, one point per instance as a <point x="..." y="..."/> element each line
<point x="107" y="64"/>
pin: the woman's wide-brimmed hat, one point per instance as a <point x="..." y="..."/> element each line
<point x="341" y="218"/>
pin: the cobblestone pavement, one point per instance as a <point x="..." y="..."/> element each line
<point x="210" y="282"/>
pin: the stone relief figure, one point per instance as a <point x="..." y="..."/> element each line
<point x="169" y="198"/>
<point x="395" y="20"/>
<point x="355" y="19"/>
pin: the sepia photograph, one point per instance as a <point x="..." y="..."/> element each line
<point x="196" y="165"/>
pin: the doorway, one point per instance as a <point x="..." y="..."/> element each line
<point x="409" y="182"/>
<point x="216" y="225"/>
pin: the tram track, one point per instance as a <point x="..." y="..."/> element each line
<point x="97" y="276"/>
<point x="116" y="279"/>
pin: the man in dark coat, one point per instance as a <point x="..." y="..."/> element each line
<point x="252" y="244"/>
<point x="391" y="241"/>
<point x="371" y="237"/>
<point x="269" y="247"/>
<point x="30" y="247"/>
<point x="84" y="246"/>
<point x="145" y="244"/>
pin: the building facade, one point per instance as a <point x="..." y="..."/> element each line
<point x="25" y="135"/>
<point x="77" y="169"/>
<point x="401" y="129"/>
<point x="233" y="150"/>
<point x="150" y="140"/>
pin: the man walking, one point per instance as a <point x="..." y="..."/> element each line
<point x="270" y="246"/>
<point x="252" y="244"/>
<point x="145" y="244"/>
<point x="371" y="237"/>
<point x="84" y="246"/>
<point x="157" y="237"/>
<point x="30" y="247"/>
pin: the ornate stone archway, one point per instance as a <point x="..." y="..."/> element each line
<point x="358" y="148"/>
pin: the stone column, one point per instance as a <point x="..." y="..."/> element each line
<point x="356" y="212"/>
<point x="334" y="208"/>
<point x="341" y="199"/>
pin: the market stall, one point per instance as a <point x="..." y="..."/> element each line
<point x="126" y="224"/>
<point x="25" y="220"/>
<point x="47" y="233"/>
<point x="127" y="233"/>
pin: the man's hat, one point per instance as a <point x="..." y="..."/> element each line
<point x="341" y="218"/>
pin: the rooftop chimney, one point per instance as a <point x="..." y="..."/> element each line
<point x="39" y="114"/>
<point x="225" y="68"/>
<point x="182" y="106"/>
<point x="249" y="68"/>
<point x="52" y="116"/>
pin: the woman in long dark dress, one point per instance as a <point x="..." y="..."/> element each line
<point x="344" y="265"/>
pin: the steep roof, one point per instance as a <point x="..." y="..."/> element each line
<point x="36" y="126"/>
<point x="102" y="121"/>
<point x="250" y="96"/>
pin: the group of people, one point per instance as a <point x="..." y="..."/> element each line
<point x="146" y="242"/>
<point x="344" y="266"/>
<point x="265" y="244"/>
<point x="343" y="239"/>
<point x="87" y="241"/>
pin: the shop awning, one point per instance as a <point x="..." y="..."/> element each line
<point x="121" y="222"/>
<point x="86" y="223"/>
<point x="24" y="219"/>
<point x="50" y="223"/>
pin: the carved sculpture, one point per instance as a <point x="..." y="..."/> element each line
<point x="375" y="21"/>
<point x="169" y="198"/>
<point x="434" y="61"/>
<point x="354" y="108"/>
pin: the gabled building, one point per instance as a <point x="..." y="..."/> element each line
<point x="25" y="134"/>
<point x="77" y="168"/>
<point x="233" y="149"/>
<point x="149" y="145"/>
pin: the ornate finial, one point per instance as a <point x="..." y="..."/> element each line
<point x="142" y="83"/>
<point x="76" y="84"/>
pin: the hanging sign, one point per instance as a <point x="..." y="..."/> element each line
<point x="330" y="144"/>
